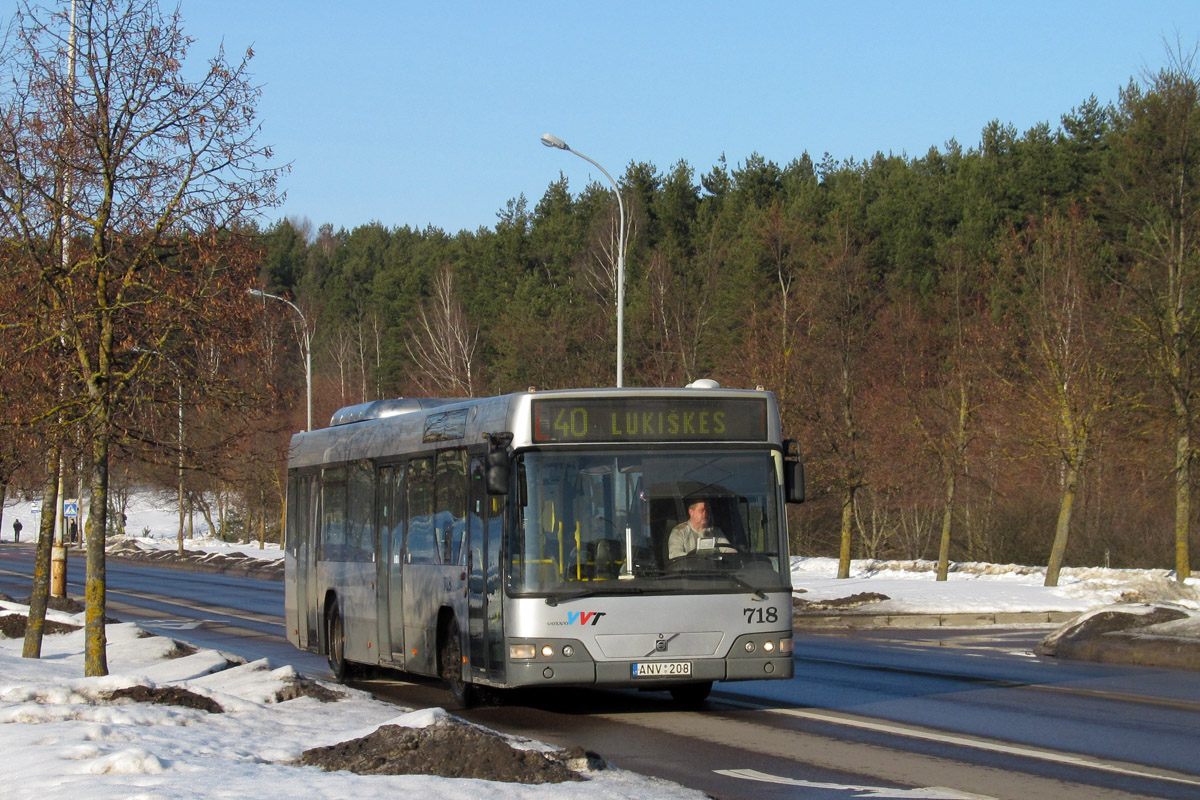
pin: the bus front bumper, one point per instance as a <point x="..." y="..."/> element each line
<point x="549" y="666"/>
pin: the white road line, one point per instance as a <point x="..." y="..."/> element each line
<point x="978" y="743"/>
<point x="931" y="793"/>
<point x="172" y="624"/>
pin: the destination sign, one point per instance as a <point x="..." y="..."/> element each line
<point x="650" y="419"/>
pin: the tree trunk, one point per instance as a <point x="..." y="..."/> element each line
<point x="1063" y="529"/>
<point x="41" y="565"/>
<point x="1183" y="446"/>
<point x="847" y="532"/>
<point x="943" y="564"/>
<point x="1183" y="501"/>
<point x="95" y="658"/>
<point x="952" y="468"/>
<point x="206" y="511"/>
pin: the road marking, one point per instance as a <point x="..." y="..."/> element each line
<point x="212" y="608"/>
<point x="931" y="793"/>
<point x="172" y="624"/>
<point x="978" y="743"/>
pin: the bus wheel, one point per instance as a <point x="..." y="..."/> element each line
<point x="465" y="694"/>
<point x="691" y="694"/>
<point x="336" y="638"/>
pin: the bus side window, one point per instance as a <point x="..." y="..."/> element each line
<point x="290" y="518"/>
<point x="451" y="504"/>
<point x="333" y="514"/>
<point x="422" y="545"/>
<point x="360" y="512"/>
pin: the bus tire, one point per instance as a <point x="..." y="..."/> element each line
<point x="691" y="694"/>
<point x="465" y="694"/>
<point x="335" y="638"/>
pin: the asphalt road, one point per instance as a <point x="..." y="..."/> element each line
<point x="970" y="710"/>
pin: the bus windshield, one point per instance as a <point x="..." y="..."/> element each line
<point x="617" y="522"/>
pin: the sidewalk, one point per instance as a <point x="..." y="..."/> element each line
<point x="850" y="620"/>
<point x="1136" y="634"/>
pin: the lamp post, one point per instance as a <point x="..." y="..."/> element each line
<point x="553" y="141"/>
<point x="305" y="340"/>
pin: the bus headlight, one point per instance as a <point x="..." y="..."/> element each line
<point x="785" y="645"/>
<point x="769" y="646"/>
<point x="519" y="652"/>
<point x="547" y="651"/>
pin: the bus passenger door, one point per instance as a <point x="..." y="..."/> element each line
<point x="295" y="559"/>
<point x="477" y="574"/>
<point x="306" y="559"/>
<point x="422" y="570"/>
<point x="391" y="548"/>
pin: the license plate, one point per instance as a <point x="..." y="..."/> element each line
<point x="661" y="669"/>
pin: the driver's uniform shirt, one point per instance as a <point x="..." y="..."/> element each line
<point x="685" y="539"/>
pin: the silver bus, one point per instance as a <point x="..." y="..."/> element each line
<point x="527" y="540"/>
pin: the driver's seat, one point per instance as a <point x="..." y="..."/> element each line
<point x="664" y="539"/>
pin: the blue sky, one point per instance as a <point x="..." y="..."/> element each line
<point x="430" y="113"/>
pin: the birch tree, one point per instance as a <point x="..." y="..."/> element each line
<point x="443" y="344"/>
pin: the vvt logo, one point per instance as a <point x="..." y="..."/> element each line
<point x="584" y="617"/>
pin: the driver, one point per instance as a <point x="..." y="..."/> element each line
<point x="697" y="534"/>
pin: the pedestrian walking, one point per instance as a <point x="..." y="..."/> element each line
<point x="16" y="531"/>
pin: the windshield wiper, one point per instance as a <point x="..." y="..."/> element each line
<point x="554" y="599"/>
<point x="755" y="592"/>
<point x="734" y="579"/>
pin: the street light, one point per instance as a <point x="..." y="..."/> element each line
<point x="551" y="140"/>
<point x="306" y="341"/>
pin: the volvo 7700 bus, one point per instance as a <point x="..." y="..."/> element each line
<point x="607" y="537"/>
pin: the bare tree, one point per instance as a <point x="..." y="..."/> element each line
<point x="831" y="392"/>
<point x="600" y="271"/>
<point x="938" y="376"/>
<point x="110" y="160"/>
<point x="682" y="313"/>
<point x="783" y="238"/>
<point x="443" y="345"/>
<point x="1156" y="190"/>
<point x="1073" y="377"/>
<point x="341" y="347"/>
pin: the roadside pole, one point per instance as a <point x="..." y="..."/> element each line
<point x="58" y="553"/>
<point x="58" y="570"/>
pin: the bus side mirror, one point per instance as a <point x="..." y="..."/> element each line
<point x="793" y="472"/>
<point x="498" y="463"/>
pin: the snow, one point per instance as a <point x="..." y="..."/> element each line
<point x="987" y="588"/>
<point x="151" y="521"/>
<point x="61" y="737"/>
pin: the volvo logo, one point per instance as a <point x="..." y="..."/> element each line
<point x="660" y="646"/>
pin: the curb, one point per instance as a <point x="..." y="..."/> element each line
<point x="918" y="621"/>
<point x="1146" y="650"/>
<point x="219" y="565"/>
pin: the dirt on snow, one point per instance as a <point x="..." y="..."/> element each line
<point x="450" y="749"/>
